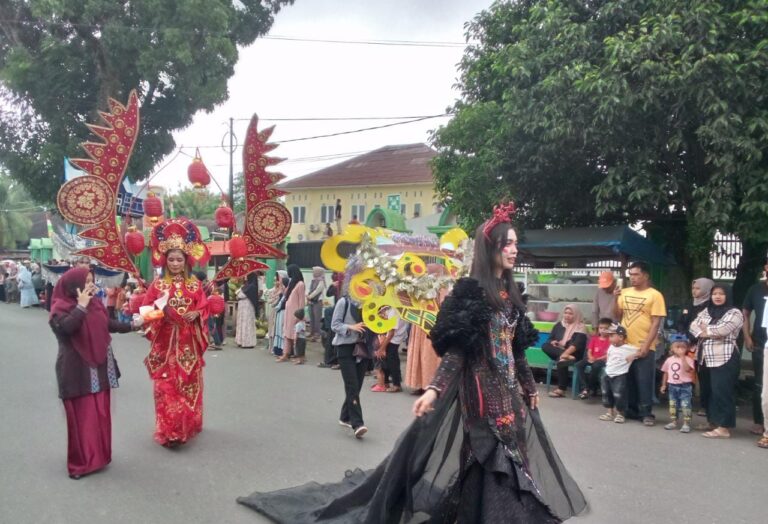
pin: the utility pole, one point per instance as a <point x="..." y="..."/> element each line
<point x="231" y="164"/>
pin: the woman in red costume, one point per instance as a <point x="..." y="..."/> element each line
<point x="179" y="338"/>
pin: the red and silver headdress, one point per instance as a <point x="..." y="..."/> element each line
<point x="502" y="213"/>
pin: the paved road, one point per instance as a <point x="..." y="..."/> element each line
<point x="271" y="425"/>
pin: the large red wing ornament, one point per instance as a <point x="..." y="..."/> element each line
<point x="90" y="200"/>
<point x="267" y="221"/>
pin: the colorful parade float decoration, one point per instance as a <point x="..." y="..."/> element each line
<point x="389" y="271"/>
<point x="267" y="221"/>
<point x="90" y="201"/>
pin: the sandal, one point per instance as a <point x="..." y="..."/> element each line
<point x="584" y="395"/>
<point x="715" y="434"/>
<point x="606" y="417"/>
<point x="558" y="393"/>
<point x="619" y="419"/>
<point x="763" y="443"/>
<point x="378" y="388"/>
<point x="394" y="389"/>
<point x="757" y="429"/>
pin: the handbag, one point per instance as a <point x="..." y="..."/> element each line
<point x="360" y="351"/>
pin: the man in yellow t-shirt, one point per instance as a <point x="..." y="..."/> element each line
<point x="642" y="310"/>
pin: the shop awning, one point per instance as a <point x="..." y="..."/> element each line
<point x="598" y="243"/>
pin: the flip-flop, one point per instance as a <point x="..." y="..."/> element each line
<point x="714" y="434"/>
<point x="763" y="443"/>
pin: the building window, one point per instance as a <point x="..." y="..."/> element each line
<point x="327" y="214"/>
<point x="406" y="193"/>
<point x="377" y="206"/>
<point x="358" y="210"/>
<point x="416" y="210"/>
<point x="402" y="209"/>
<point x="299" y="214"/>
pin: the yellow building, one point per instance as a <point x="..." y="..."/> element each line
<point x="385" y="187"/>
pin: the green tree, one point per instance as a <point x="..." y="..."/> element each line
<point x="193" y="203"/>
<point x="238" y="192"/>
<point x="604" y="111"/>
<point x="61" y="59"/>
<point x="15" y="203"/>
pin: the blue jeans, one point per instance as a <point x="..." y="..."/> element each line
<point x="680" y="396"/>
<point x="615" y="392"/>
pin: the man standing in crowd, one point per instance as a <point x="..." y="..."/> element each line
<point x="642" y="310"/>
<point x="754" y="341"/>
<point x="604" y="303"/>
<point x="338" y="216"/>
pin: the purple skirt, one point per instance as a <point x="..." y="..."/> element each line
<point x="89" y="433"/>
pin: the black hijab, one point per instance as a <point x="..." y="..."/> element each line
<point x="294" y="273"/>
<point x="251" y="290"/>
<point x="717" y="312"/>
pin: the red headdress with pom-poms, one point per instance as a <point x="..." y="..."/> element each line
<point x="501" y="213"/>
<point x="178" y="233"/>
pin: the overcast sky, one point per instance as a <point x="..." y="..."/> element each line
<point x="288" y="79"/>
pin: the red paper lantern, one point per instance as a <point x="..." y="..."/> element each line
<point x="224" y="216"/>
<point x="237" y="247"/>
<point x="216" y="304"/>
<point x="153" y="207"/>
<point x="134" y="241"/>
<point x="198" y="174"/>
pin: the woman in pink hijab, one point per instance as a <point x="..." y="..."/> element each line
<point x="566" y="345"/>
<point x="86" y="370"/>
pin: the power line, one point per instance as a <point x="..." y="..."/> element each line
<point x="408" y="43"/>
<point x="351" y="131"/>
<point x="334" y="118"/>
<point x="380" y="42"/>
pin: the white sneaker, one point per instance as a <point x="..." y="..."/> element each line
<point x="345" y="424"/>
<point x="359" y="432"/>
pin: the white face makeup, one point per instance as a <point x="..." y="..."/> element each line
<point x="508" y="254"/>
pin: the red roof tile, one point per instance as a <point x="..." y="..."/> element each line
<point x="403" y="164"/>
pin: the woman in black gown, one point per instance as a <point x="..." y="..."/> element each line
<point x="478" y="451"/>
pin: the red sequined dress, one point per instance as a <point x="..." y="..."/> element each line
<point x="175" y="361"/>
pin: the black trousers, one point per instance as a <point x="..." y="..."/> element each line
<point x="352" y="373"/>
<point x="757" y="364"/>
<point x="300" y="347"/>
<point x="704" y="385"/>
<point x="721" y="410"/>
<point x="391" y="365"/>
<point x="329" y="356"/>
<point x="562" y="367"/>
<point x="590" y="381"/>
<point x="640" y="385"/>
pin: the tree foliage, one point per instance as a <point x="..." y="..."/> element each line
<point x="600" y="111"/>
<point x="193" y="203"/>
<point x="61" y="59"/>
<point x="14" y="205"/>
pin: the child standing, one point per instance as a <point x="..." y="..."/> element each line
<point x="678" y="378"/>
<point x="597" y="353"/>
<point x="620" y="357"/>
<point x="301" y="337"/>
<point x="388" y="354"/>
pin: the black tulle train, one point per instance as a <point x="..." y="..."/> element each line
<point x="423" y="481"/>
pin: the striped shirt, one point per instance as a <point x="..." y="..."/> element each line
<point x="719" y="347"/>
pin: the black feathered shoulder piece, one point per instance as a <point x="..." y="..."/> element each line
<point x="525" y="335"/>
<point x="463" y="319"/>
